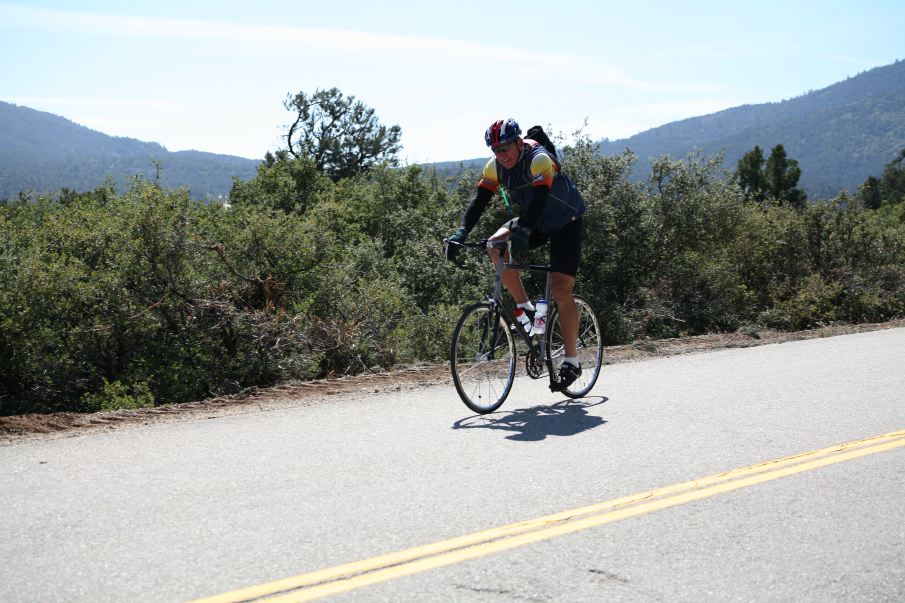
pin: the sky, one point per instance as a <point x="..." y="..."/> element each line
<point x="213" y="75"/>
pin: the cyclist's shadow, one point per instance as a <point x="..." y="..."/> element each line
<point x="564" y="418"/>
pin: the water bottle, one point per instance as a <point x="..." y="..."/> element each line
<point x="540" y="317"/>
<point x="523" y="319"/>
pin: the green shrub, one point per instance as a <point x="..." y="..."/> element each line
<point x="116" y="300"/>
<point x="813" y="304"/>
<point x="116" y="396"/>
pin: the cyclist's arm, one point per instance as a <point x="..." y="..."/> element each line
<point x="543" y="170"/>
<point x="476" y="208"/>
<point x="487" y="185"/>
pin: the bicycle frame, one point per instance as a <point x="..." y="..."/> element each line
<point x="496" y="300"/>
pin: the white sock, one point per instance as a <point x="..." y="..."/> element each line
<point x="573" y="360"/>
<point x="527" y="306"/>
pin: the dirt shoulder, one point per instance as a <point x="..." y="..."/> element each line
<point x="25" y="427"/>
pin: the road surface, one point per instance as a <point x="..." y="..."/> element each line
<point x="672" y="481"/>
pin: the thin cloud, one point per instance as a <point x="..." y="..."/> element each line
<point x="99" y="103"/>
<point x="340" y="41"/>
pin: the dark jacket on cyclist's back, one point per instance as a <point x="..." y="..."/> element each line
<point x="547" y="198"/>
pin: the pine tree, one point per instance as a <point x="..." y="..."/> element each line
<point x="893" y="186"/>
<point x="782" y="176"/>
<point x="775" y="179"/>
<point x="750" y="173"/>
<point x="871" y="193"/>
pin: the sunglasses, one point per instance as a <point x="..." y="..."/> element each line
<point x="502" y="149"/>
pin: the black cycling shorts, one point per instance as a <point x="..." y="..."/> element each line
<point x="565" y="245"/>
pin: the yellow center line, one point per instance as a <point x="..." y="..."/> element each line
<point x="358" y="574"/>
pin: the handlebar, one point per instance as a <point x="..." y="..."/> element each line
<point x="482" y="244"/>
<point x="501" y="245"/>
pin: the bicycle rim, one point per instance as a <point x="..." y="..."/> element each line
<point x="590" y="347"/>
<point x="482" y="359"/>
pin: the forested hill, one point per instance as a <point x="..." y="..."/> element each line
<point x="43" y="152"/>
<point x="839" y="135"/>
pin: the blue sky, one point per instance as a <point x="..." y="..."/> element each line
<point x="212" y="76"/>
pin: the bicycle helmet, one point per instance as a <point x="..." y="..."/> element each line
<point x="502" y="131"/>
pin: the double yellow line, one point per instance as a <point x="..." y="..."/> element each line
<point x="359" y="574"/>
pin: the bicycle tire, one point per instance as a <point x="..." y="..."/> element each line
<point x="590" y="347"/>
<point x="482" y="358"/>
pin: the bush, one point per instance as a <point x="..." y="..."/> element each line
<point x="126" y="300"/>
<point x="116" y="395"/>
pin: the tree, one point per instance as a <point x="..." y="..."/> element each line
<point x="893" y="186"/>
<point x="782" y="176"/>
<point x="339" y="133"/>
<point x="871" y="194"/>
<point x="283" y="182"/>
<point x="887" y="190"/>
<point x="776" y="178"/>
<point x="750" y="173"/>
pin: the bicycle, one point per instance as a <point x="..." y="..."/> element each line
<point x="483" y="352"/>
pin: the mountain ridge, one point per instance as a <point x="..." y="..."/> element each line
<point x="839" y="135"/>
<point x="44" y="152"/>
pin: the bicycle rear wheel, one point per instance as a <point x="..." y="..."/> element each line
<point x="590" y="347"/>
<point x="482" y="358"/>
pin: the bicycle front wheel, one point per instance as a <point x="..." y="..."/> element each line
<point x="590" y="347"/>
<point x="482" y="358"/>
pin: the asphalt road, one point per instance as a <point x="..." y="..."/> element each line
<point x="174" y="512"/>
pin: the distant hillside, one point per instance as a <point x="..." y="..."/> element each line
<point x="840" y="135"/>
<point x="43" y="152"/>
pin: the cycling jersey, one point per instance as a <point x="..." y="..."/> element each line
<point x="535" y="168"/>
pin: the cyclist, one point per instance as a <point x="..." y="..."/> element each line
<point x="550" y="210"/>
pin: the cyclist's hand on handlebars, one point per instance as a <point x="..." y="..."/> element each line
<point x="457" y="237"/>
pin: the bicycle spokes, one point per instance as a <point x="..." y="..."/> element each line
<point x="589" y="348"/>
<point x="482" y="358"/>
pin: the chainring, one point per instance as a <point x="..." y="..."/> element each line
<point x="533" y="366"/>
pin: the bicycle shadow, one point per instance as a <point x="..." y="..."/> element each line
<point x="565" y="418"/>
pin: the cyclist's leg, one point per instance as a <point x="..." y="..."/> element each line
<point x="565" y="254"/>
<point x="561" y="286"/>
<point x="512" y="279"/>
